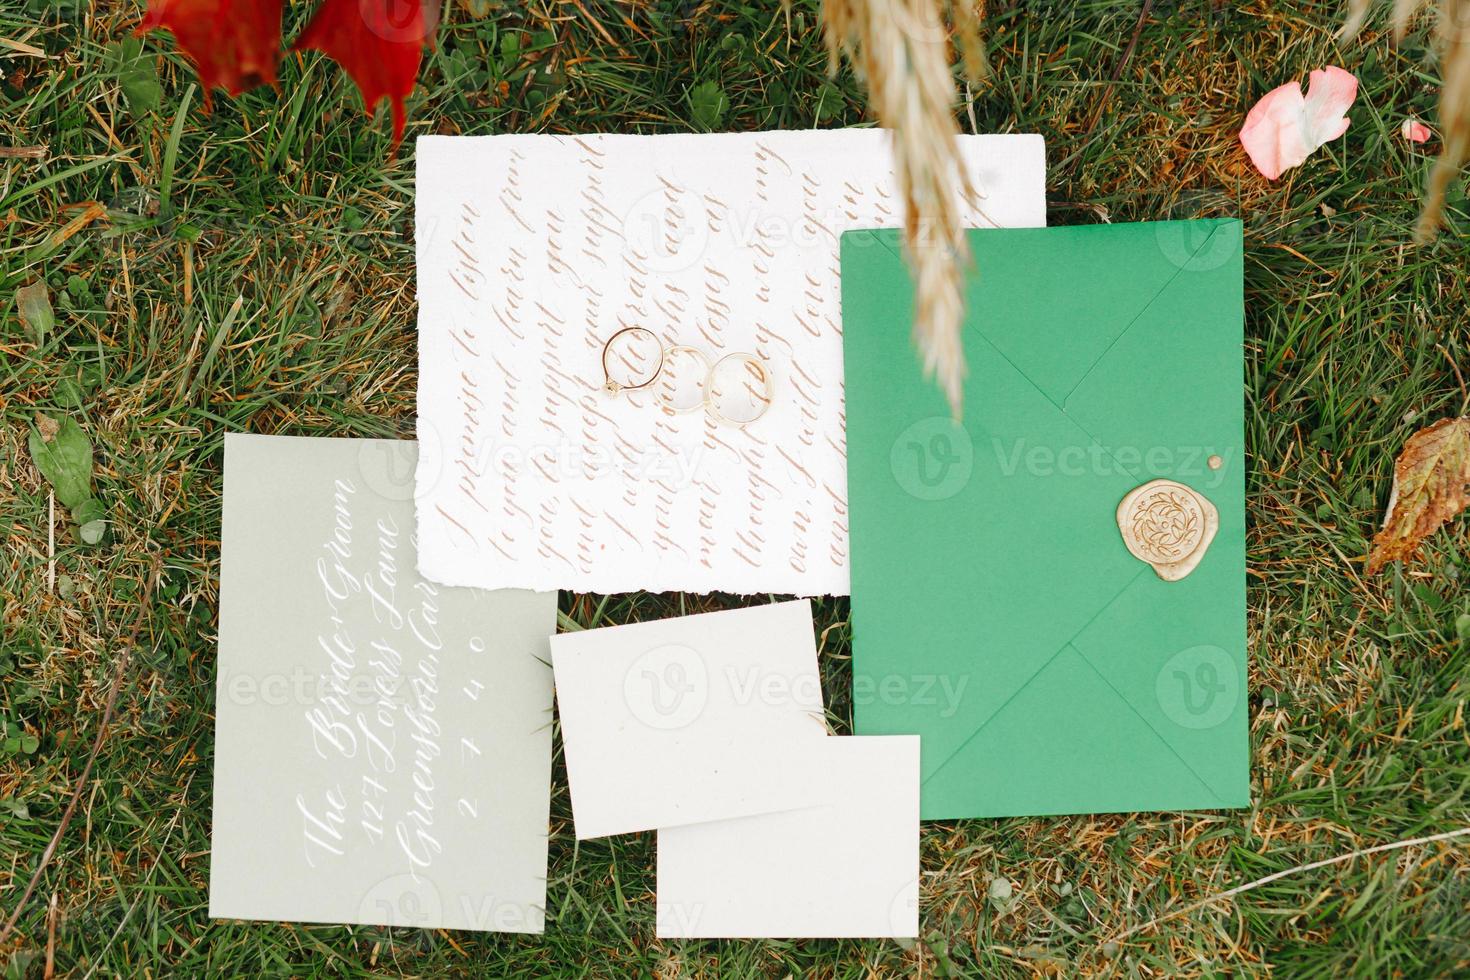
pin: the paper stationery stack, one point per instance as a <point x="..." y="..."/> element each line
<point x="1048" y="596"/>
<point x="710" y="729"/>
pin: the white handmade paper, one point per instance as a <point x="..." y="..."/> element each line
<point x="534" y="250"/>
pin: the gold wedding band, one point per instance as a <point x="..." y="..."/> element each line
<point x="613" y="387"/>
<point x="765" y="398"/>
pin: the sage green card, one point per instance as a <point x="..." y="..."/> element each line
<point x="382" y="743"/>
<point x="997" y="611"/>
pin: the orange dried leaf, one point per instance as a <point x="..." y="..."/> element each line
<point x="1431" y="484"/>
<point x="235" y="44"/>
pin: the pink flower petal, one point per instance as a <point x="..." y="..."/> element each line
<point x="1285" y="126"/>
<point x="1415" y="131"/>
<point x="1330" y="92"/>
<point x="1272" y="132"/>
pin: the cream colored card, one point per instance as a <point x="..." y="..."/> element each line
<point x="690" y="719"/>
<point x="533" y="250"/>
<point x="847" y="869"/>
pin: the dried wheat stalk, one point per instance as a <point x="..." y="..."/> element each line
<point x="901" y="50"/>
<point x="1454" y="98"/>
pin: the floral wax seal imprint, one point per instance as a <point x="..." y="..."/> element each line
<point x="1169" y="526"/>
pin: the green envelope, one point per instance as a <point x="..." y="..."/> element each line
<point x="997" y="611"/>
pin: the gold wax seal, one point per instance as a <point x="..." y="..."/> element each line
<point x="1169" y="526"/>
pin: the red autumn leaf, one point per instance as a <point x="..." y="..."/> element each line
<point x="236" y="44"/>
<point x="379" y="42"/>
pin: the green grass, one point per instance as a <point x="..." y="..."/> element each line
<point x="289" y="204"/>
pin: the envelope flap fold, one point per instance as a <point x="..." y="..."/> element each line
<point x="1066" y="301"/>
<point x="1066" y="744"/>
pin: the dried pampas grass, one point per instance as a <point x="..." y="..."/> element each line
<point x="1454" y="98"/>
<point x="901" y="50"/>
